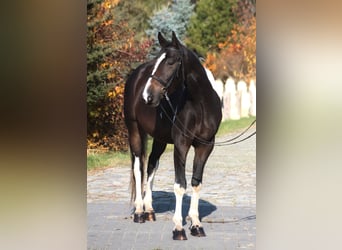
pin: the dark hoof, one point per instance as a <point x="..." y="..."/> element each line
<point x="197" y="231"/>
<point x="179" y="235"/>
<point x="150" y="216"/>
<point x="139" y="218"/>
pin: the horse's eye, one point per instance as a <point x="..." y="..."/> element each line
<point x="171" y="61"/>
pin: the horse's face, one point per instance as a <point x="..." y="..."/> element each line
<point x="166" y="70"/>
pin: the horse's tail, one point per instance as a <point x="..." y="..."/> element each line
<point x="142" y="174"/>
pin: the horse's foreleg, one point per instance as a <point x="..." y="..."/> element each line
<point x="180" y="154"/>
<point x="153" y="163"/>
<point x="196" y="226"/>
<point x="202" y="153"/>
<point x="178" y="232"/>
<point x="193" y="211"/>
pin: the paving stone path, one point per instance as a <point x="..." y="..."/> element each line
<point x="227" y="204"/>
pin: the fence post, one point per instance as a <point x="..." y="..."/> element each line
<point x="230" y="110"/>
<point x="244" y="101"/>
<point x="252" y="92"/>
<point x="218" y="86"/>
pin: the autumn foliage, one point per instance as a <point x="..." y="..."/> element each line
<point x="112" y="53"/>
<point x="237" y="54"/>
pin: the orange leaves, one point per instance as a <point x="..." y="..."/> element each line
<point x="110" y="131"/>
<point x="108" y="22"/>
<point x="222" y="45"/>
<point x="108" y="4"/>
<point x="237" y="55"/>
<point x="211" y="62"/>
<point x="116" y="92"/>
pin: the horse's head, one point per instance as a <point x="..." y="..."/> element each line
<point x="166" y="71"/>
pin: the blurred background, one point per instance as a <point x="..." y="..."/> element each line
<point x="44" y="138"/>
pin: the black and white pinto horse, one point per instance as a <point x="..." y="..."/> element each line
<point x="171" y="99"/>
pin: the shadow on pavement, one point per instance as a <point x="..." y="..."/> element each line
<point x="166" y="201"/>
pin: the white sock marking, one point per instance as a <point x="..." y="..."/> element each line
<point x="148" y="194"/>
<point x="138" y="200"/>
<point x="193" y="211"/>
<point x="177" y="218"/>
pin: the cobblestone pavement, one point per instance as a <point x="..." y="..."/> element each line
<point x="227" y="204"/>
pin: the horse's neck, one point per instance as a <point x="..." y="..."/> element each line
<point x="195" y="79"/>
<point x="197" y="82"/>
<point x="195" y="74"/>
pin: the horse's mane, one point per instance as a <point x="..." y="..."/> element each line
<point x="194" y="58"/>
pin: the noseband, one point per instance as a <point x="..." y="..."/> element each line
<point x="162" y="82"/>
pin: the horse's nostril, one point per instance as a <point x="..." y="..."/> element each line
<point x="149" y="99"/>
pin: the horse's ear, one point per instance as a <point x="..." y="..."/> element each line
<point x="175" y="42"/>
<point x="162" y="41"/>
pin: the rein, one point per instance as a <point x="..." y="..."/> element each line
<point x="192" y="135"/>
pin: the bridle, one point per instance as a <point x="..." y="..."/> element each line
<point x="166" y="84"/>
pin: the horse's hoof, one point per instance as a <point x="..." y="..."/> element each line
<point x="150" y="216"/>
<point x="179" y="235"/>
<point x="197" y="231"/>
<point x="139" y="218"/>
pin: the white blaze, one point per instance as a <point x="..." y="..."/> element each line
<point x="148" y="84"/>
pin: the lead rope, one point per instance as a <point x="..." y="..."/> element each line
<point x="191" y="135"/>
<point x="174" y="111"/>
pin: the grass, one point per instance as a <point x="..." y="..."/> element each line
<point x="231" y="126"/>
<point x="107" y="159"/>
<point x="110" y="159"/>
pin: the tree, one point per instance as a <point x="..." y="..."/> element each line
<point x="99" y="49"/>
<point x="111" y="53"/>
<point x="211" y="24"/>
<point x="174" y="17"/>
<point x="137" y="13"/>
<point x="237" y="55"/>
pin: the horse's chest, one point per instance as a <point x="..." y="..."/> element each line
<point x="157" y="125"/>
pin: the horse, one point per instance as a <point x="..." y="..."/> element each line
<point x="171" y="99"/>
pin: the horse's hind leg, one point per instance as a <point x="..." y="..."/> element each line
<point x="202" y="153"/>
<point x="153" y="163"/>
<point x="137" y="141"/>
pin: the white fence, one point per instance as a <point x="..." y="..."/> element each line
<point x="238" y="99"/>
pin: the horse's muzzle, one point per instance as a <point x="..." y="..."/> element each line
<point x="152" y="101"/>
